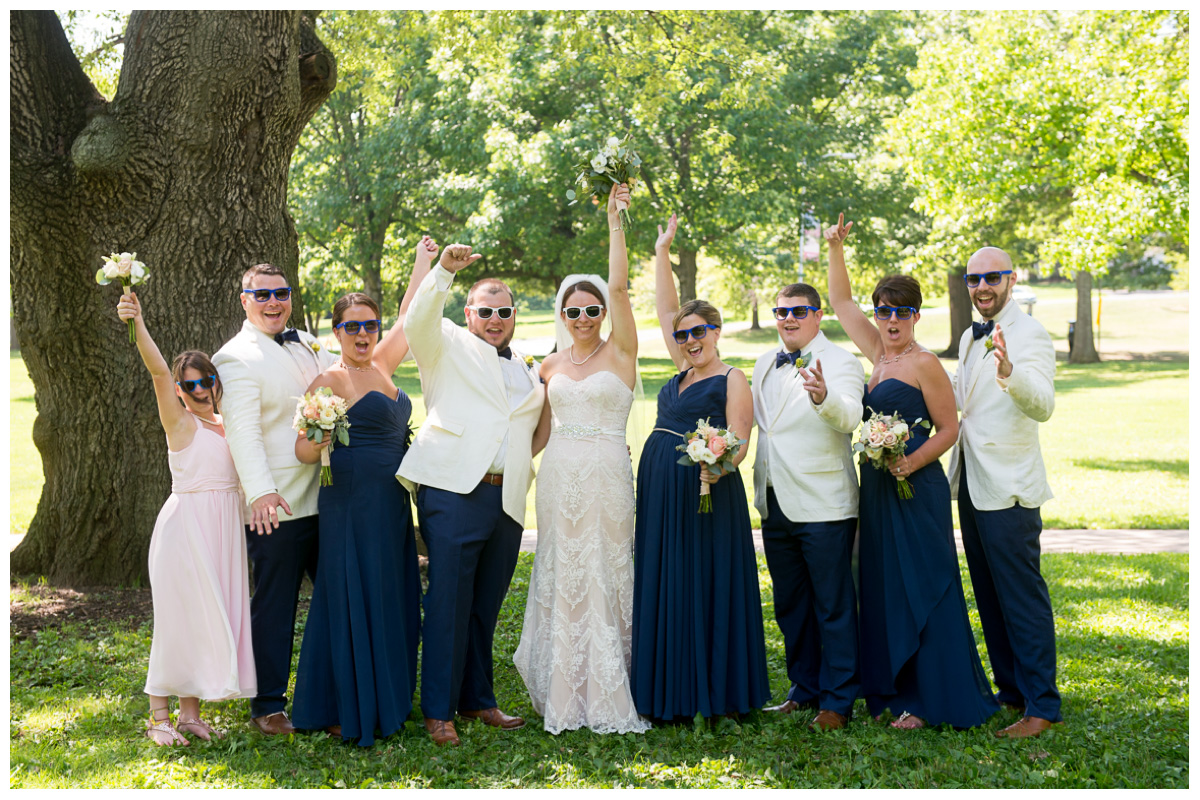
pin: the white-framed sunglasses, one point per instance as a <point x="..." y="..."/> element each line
<point x="592" y="311"/>
<point x="485" y="312"/>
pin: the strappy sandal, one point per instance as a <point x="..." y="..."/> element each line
<point x="165" y="726"/>
<point x="902" y="723"/>
<point x="199" y="727"/>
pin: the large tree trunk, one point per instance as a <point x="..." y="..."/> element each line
<point x="960" y="311"/>
<point x="1084" y="351"/>
<point x="188" y="167"/>
<point x="754" y="326"/>
<point x="685" y="270"/>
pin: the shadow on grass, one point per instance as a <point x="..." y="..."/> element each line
<point x="1082" y="377"/>
<point x="1173" y="467"/>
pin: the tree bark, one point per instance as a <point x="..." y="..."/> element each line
<point x="754" y="326"/>
<point x="685" y="270"/>
<point x="1084" y="350"/>
<point x="188" y="167"/>
<point x="960" y="311"/>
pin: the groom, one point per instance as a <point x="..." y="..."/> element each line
<point x="264" y="369"/>
<point x="1005" y="387"/>
<point x="472" y="463"/>
<point x="807" y="403"/>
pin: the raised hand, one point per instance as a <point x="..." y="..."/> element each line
<point x="666" y="237"/>
<point x="837" y="234"/>
<point x="814" y="382"/>
<point x="129" y="308"/>
<point x="1000" y="351"/>
<point x="426" y="249"/>
<point x="618" y="198"/>
<point x="457" y="256"/>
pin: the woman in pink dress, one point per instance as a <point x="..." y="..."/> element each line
<point x="198" y="578"/>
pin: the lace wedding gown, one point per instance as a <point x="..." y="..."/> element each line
<point x="575" y="644"/>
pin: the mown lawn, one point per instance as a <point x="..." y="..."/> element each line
<point x="77" y="712"/>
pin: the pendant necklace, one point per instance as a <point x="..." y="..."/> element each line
<point x="571" y="354"/>
<point x="883" y="360"/>
<point x="204" y="419"/>
<point x="342" y="361"/>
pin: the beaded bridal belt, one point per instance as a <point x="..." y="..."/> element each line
<point x="574" y="431"/>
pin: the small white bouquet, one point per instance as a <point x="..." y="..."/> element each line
<point x="881" y="441"/>
<point x="123" y="267"/>
<point x="320" y="412"/>
<point x="612" y="165"/>
<point x="713" y="447"/>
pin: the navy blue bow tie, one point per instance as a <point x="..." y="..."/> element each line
<point x="982" y="329"/>
<point x="290" y="335"/>
<point x="505" y="353"/>
<point x="792" y="358"/>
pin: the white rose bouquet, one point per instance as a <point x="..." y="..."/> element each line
<point x="881" y="440"/>
<point x="613" y="164"/>
<point x="123" y="267"/>
<point x="320" y="412"/>
<point x="713" y="447"/>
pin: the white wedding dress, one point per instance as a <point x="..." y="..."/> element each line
<point x="575" y="644"/>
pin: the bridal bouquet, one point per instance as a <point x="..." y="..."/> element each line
<point x="123" y="267"/>
<point x="320" y="412"/>
<point x="881" y="441"/>
<point x="614" y="164"/>
<point x="711" y="446"/>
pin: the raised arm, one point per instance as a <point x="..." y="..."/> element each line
<point x="624" y="330"/>
<point x="860" y="330"/>
<point x="393" y="347"/>
<point x="175" y="419"/>
<point x="666" y="298"/>
<point x="1029" y="380"/>
<point x="423" y="322"/>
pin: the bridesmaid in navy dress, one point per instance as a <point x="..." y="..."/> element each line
<point x="358" y="661"/>
<point x="919" y="659"/>
<point x="697" y="616"/>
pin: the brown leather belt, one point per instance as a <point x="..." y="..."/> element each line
<point x="493" y="479"/>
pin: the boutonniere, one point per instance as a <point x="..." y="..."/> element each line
<point x="315" y="345"/>
<point x="529" y="362"/>
<point x="988" y="346"/>
<point x="803" y="361"/>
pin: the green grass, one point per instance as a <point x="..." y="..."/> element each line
<point x="1134" y="474"/>
<point x="1122" y="624"/>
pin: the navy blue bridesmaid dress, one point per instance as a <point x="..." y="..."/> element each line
<point x="358" y="661"/>
<point x="697" y="616"/>
<point x="918" y="653"/>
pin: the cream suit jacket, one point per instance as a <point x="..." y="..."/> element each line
<point x="467" y="406"/>
<point x="998" y="430"/>
<point x="806" y="448"/>
<point x="262" y="383"/>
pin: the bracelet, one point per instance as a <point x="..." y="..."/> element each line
<point x="614" y="230"/>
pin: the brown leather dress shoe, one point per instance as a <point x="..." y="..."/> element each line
<point x="276" y="724"/>
<point x="1026" y="727"/>
<point x="494" y="717"/>
<point x="828" y="721"/>
<point x="442" y="731"/>
<point x="334" y="730"/>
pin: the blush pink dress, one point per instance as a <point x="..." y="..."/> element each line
<point x="198" y="579"/>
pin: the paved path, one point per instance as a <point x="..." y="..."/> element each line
<point x="1081" y="541"/>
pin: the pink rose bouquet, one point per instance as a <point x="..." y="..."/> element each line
<point x="319" y="413"/>
<point x="712" y="447"/>
<point x="881" y="441"/>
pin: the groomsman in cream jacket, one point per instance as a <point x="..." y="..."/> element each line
<point x="1004" y="390"/>
<point x="472" y="461"/>
<point x="264" y="370"/>
<point x="807" y="402"/>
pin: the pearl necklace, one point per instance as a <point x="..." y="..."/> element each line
<point x="203" y="419"/>
<point x="571" y="353"/>
<point x="342" y="361"/>
<point x="883" y="360"/>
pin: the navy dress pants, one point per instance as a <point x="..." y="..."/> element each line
<point x="815" y="606"/>
<point x="1004" y="552"/>
<point x="278" y="561"/>
<point x="473" y="547"/>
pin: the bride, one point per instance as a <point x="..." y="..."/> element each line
<point x="575" y="643"/>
